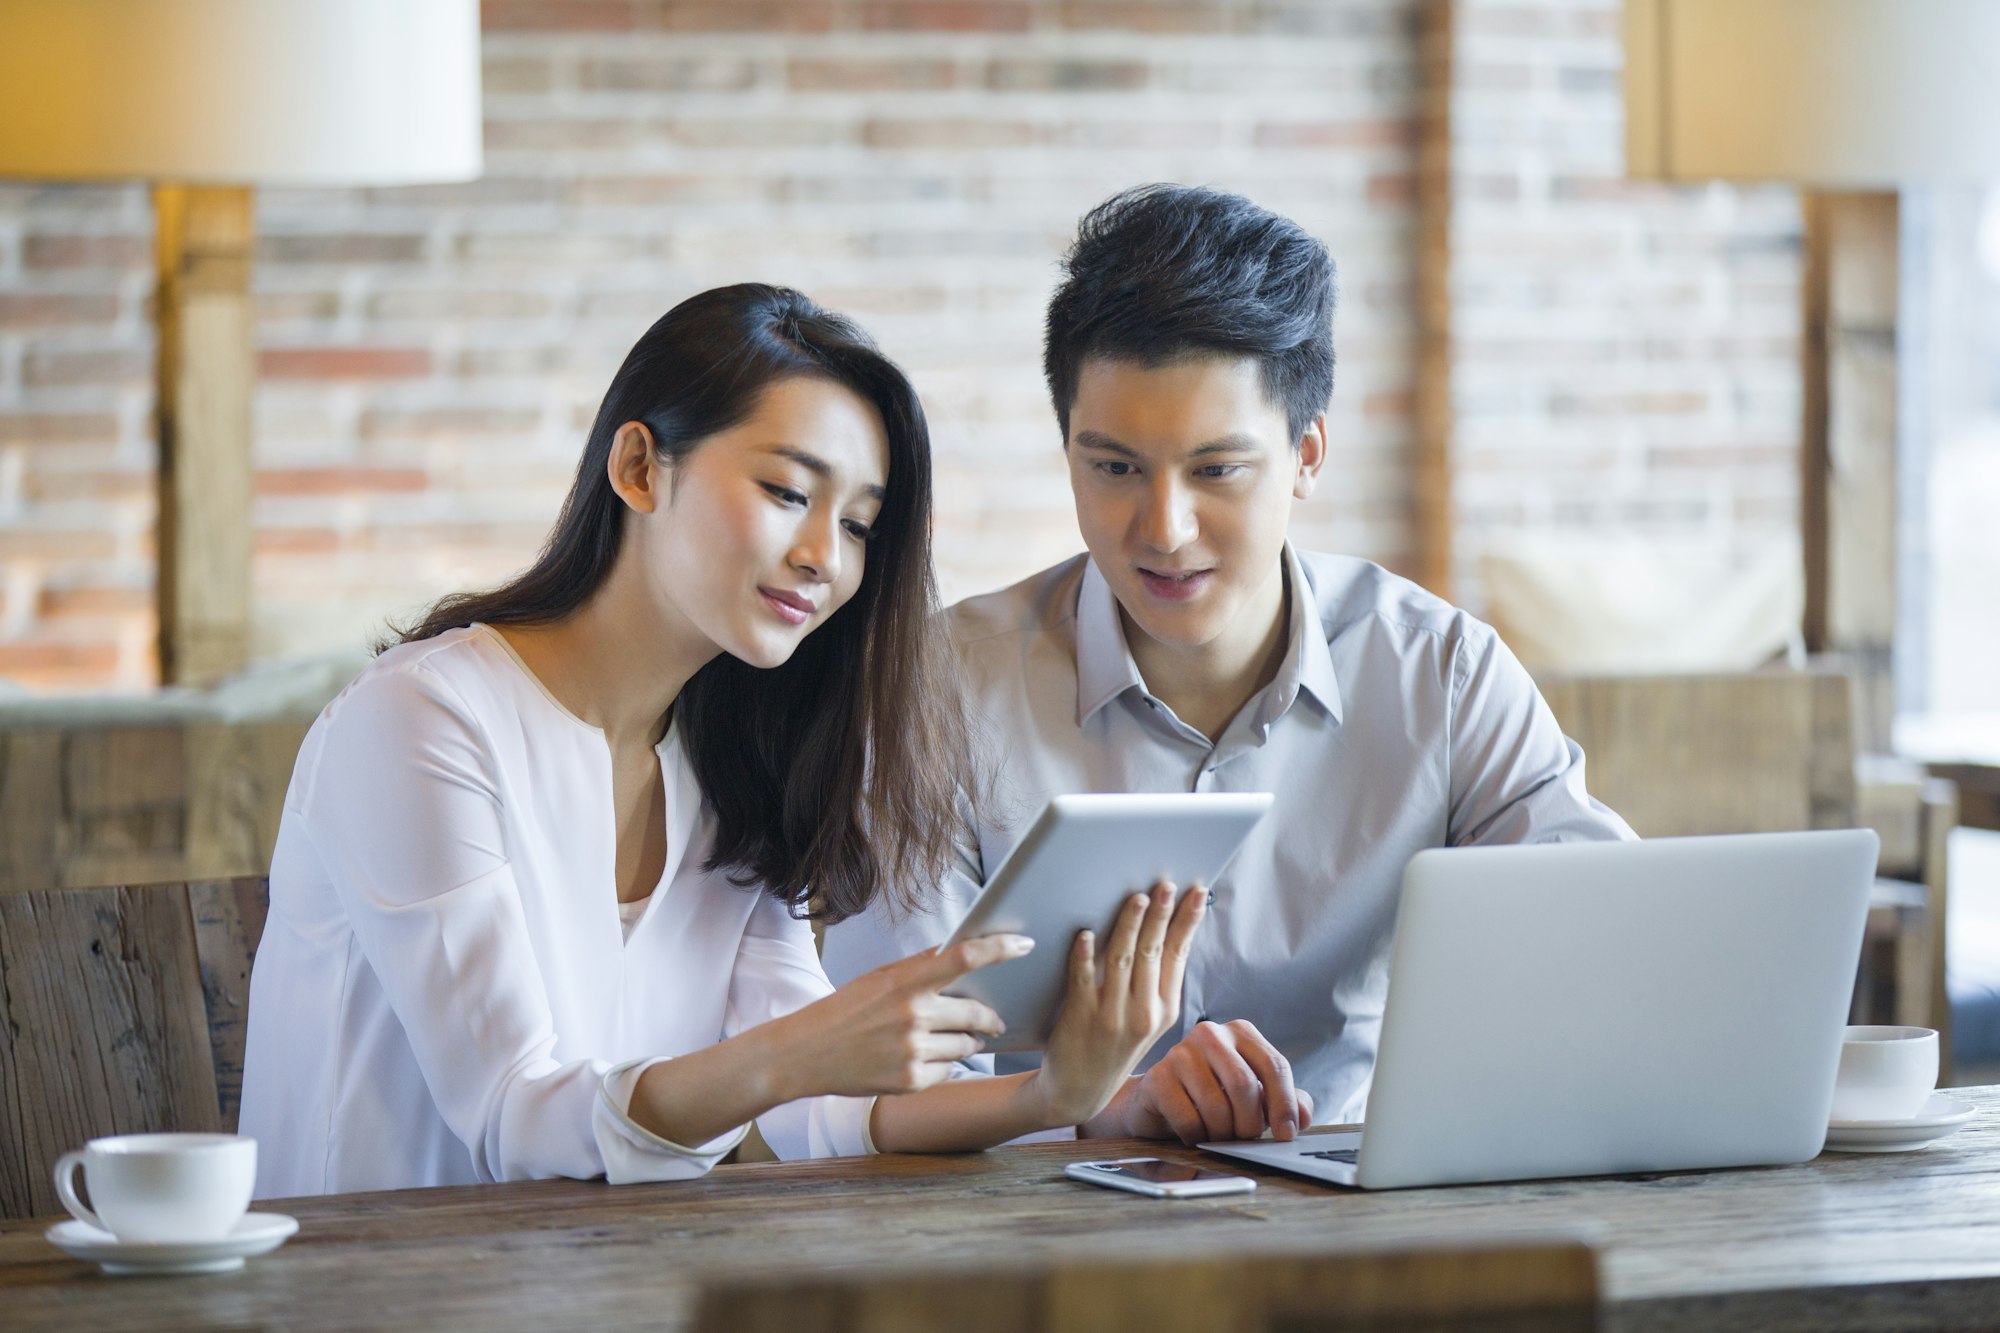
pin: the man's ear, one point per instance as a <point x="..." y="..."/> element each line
<point x="634" y="470"/>
<point x="1311" y="456"/>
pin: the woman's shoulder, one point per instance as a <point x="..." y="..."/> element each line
<point x="448" y="670"/>
<point x="429" y="696"/>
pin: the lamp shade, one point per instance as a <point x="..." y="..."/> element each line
<point x="241" y="92"/>
<point x="1838" y="93"/>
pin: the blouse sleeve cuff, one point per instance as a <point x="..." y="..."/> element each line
<point x="839" y="1127"/>
<point x="633" y="1152"/>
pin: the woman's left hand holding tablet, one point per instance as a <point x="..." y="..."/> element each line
<point x="1119" y="1003"/>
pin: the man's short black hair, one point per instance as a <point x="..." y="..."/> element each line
<point x="1165" y="272"/>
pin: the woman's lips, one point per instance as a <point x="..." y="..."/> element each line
<point x="795" y="609"/>
<point x="1176" y="587"/>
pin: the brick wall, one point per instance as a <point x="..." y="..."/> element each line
<point x="1627" y="353"/>
<point x="431" y="357"/>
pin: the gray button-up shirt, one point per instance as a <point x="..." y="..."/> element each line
<point x="1396" y="722"/>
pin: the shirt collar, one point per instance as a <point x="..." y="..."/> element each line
<point x="1309" y="661"/>
<point x="1105" y="669"/>
<point x="1104" y="665"/>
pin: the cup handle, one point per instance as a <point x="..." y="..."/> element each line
<point x="66" y="1166"/>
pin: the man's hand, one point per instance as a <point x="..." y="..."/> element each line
<point x="1223" y="1081"/>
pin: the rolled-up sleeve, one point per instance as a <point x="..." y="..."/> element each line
<point x="634" y="1153"/>
<point x="1514" y="776"/>
<point x="405" y="812"/>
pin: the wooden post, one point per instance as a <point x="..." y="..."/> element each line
<point x="1849" y="493"/>
<point x="206" y="238"/>
<point x="1432" y="412"/>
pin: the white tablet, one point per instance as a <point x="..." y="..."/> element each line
<point x="1084" y="856"/>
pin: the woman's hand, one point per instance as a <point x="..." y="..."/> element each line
<point x="1118" y="1005"/>
<point x="890" y="1030"/>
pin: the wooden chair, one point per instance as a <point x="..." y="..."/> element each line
<point x="135" y="835"/>
<point x="121" y="1012"/>
<point x="1773" y="752"/>
<point x="1515" y="1287"/>
<point x="1914" y="814"/>
<point x="1749" y="752"/>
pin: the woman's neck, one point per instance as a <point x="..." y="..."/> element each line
<point x="613" y="662"/>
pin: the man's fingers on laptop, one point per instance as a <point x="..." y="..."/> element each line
<point x="1220" y="1097"/>
<point x="1274" y="1074"/>
<point x="1175" y="1107"/>
<point x="1227" y="1089"/>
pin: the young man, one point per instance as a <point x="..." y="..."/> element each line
<point x="1190" y="359"/>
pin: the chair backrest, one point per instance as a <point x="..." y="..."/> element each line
<point x="1522" y="1286"/>
<point x="121" y="1012"/>
<point x="1748" y="752"/>
<point x="107" y="799"/>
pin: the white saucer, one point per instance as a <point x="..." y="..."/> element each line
<point x="257" y="1233"/>
<point x="1941" y="1116"/>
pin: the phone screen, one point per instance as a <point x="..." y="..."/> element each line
<point x="1156" y="1172"/>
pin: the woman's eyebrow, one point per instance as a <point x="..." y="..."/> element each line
<point x="818" y="466"/>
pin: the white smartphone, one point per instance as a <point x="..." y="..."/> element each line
<point x="1157" y="1179"/>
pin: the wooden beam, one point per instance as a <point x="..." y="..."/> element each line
<point x="206" y="238"/>
<point x="1848" y="495"/>
<point x="1431" y="502"/>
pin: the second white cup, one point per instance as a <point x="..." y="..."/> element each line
<point x="162" y="1187"/>
<point x="1886" y="1073"/>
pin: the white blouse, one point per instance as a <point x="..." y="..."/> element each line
<point x="445" y="992"/>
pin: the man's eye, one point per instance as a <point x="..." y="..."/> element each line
<point x="1112" y="467"/>
<point x="784" y="494"/>
<point x="1213" y="470"/>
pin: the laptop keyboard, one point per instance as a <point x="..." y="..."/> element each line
<point x="1350" y="1156"/>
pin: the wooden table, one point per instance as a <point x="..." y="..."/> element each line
<point x="1851" y="1242"/>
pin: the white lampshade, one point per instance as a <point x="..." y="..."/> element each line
<point x="241" y="92"/>
<point x="1841" y="93"/>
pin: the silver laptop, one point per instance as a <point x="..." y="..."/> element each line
<point x="1596" y="1008"/>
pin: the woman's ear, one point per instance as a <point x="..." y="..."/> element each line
<point x="1311" y="456"/>
<point x="634" y="469"/>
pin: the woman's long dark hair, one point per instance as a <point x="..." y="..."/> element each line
<point x="833" y="774"/>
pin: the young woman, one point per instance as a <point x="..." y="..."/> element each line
<point x="539" y="898"/>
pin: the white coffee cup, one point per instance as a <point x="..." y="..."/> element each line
<point x="162" y="1187"/>
<point x="1886" y="1073"/>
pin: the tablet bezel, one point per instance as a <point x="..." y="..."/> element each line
<point x="1082" y="858"/>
